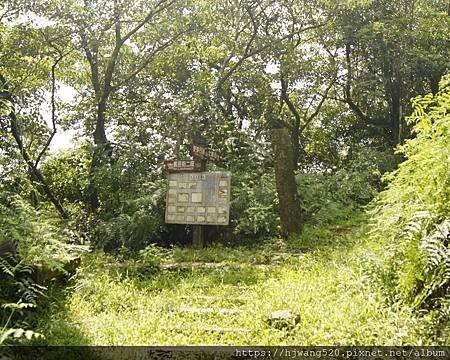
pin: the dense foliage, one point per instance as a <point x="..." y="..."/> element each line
<point x="40" y="244"/>
<point x="412" y="216"/>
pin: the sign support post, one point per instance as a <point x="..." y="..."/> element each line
<point x="198" y="233"/>
<point x="198" y="239"/>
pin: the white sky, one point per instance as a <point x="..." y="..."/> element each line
<point x="63" y="139"/>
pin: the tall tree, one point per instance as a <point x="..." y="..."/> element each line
<point x="256" y="34"/>
<point x="29" y="59"/>
<point x="390" y="52"/>
<point x="118" y="40"/>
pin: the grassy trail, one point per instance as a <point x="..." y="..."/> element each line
<point x="223" y="296"/>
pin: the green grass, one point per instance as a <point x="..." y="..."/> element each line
<point x="323" y="276"/>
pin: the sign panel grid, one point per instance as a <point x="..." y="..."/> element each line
<point x="200" y="198"/>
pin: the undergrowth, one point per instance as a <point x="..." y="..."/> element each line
<point x="40" y="242"/>
<point x="323" y="276"/>
<point x="412" y="217"/>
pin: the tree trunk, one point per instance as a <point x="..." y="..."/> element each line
<point x="290" y="211"/>
<point x="395" y="112"/>
<point x="295" y="138"/>
<point x="35" y="172"/>
<point x="101" y="151"/>
<point x="92" y="189"/>
<point x="295" y="129"/>
<point x="100" y="133"/>
<point x="435" y="78"/>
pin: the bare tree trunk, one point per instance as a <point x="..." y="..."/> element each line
<point x="101" y="151"/>
<point x="394" y="93"/>
<point x="34" y="170"/>
<point x="33" y="165"/>
<point x="290" y="212"/>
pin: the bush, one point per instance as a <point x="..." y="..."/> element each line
<point x="334" y="196"/>
<point x="359" y="180"/>
<point x="40" y="242"/>
<point x="139" y="222"/>
<point x="254" y="207"/>
<point x="67" y="174"/>
<point x="411" y="217"/>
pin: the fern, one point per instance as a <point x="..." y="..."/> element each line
<point x="411" y="217"/>
<point x="18" y="333"/>
<point x="437" y="265"/>
<point x="6" y="332"/>
<point x="6" y="264"/>
<point x="417" y="224"/>
<point x="19" y="294"/>
<point x="40" y="242"/>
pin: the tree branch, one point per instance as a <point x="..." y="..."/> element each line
<point x="119" y="41"/>
<point x="324" y="97"/>
<point x="53" y="102"/>
<point x="161" y="6"/>
<point x="8" y="13"/>
<point x="149" y="58"/>
<point x="93" y="63"/>
<point x="250" y="54"/>
<point x="117" y="26"/>
<point x="289" y="103"/>
<point x="252" y="22"/>
<point x="17" y="135"/>
<point x="347" y="87"/>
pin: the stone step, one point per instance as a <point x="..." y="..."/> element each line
<point x="215" y="328"/>
<point x="208" y="265"/>
<point x="209" y="310"/>
<point x="286" y="254"/>
<point x="212" y="298"/>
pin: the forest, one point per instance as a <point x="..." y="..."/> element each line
<point x="224" y="172"/>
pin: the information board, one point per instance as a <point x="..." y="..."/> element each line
<point x="200" y="198"/>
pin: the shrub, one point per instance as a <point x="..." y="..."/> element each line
<point x="139" y="223"/>
<point x="411" y="217"/>
<point x="359" y="180"/>
<point x="40" y="242"/>
<point x="254" y="207"/>
<point x="67" y="174"/>
<point x="327" y="197"/>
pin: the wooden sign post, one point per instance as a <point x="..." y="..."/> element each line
<point x="184" y="165"/>
<point x="202" y="153"/>
<point x="198" y="236"/>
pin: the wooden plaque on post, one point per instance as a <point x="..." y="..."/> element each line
<point x="200" y="152"/>
<point x="183" y="165"/>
